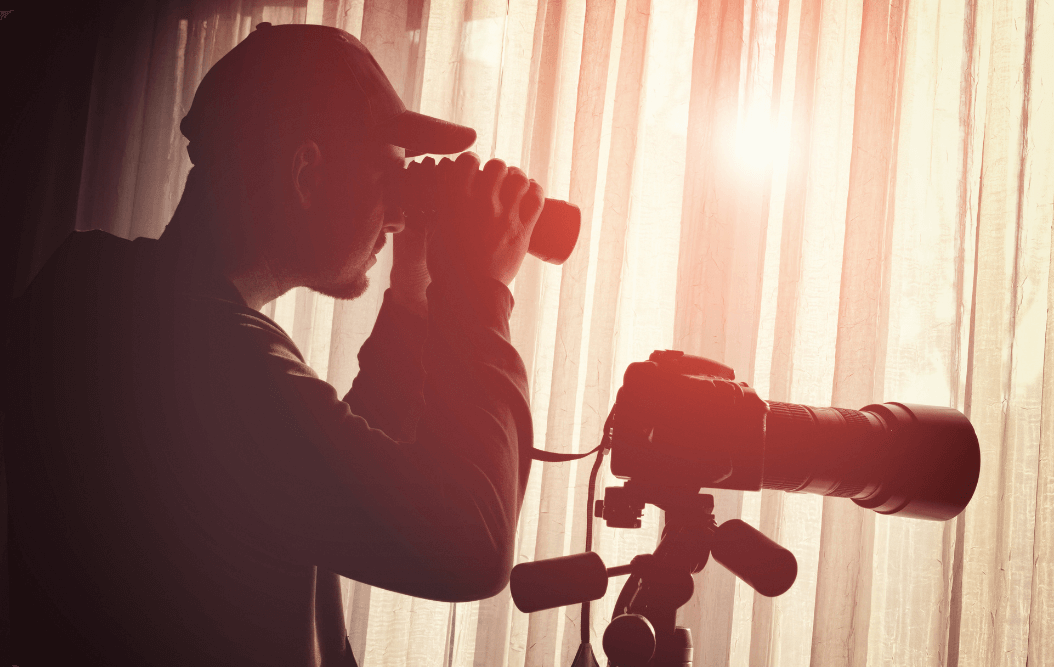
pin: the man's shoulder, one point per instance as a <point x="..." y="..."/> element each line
<point x="74" y="275"/>
<point x="238" y="325"/>
<point x="92" y="239"/>
<point x="84" y="246"/>
<point x="97" y="277"/>
<point x="81" y="252"/>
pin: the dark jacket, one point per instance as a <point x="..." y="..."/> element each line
<point x="177" y="472"/>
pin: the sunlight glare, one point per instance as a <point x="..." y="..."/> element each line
<point x="757" y="143"/>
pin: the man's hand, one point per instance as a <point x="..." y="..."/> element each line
<point x="410" y="277"/>
<point x="485" y="219"/>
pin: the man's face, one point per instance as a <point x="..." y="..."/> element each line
<point x="349" y="217"/>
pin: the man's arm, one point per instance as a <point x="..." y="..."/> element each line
<point x="434" y="518"/>
<point x="389" y="389"/>
<point x="329" y="621"/>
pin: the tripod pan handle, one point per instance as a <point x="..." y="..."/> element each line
<point x="555" y="582"/>
<point x="750" y="555"/>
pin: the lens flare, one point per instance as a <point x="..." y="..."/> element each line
<point x="756" y="142"/>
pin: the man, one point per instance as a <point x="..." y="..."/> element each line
<point x="182" y="485"/>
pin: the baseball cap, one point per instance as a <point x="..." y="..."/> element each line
<point x="282" y="75"/>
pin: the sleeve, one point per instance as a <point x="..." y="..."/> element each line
<point x="389" y="389"/>
<point x="435" y="517"/>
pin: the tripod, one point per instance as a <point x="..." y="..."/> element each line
<point x="643" y="630"/>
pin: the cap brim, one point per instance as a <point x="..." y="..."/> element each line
<point x="420" y="134"/>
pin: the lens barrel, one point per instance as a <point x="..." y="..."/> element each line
<point x="909" y="460"/>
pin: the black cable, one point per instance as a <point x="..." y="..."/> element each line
<point x="605" y="443"/>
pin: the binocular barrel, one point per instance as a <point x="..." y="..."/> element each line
<point x="554" y="236"/>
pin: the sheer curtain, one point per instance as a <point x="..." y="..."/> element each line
<point x="848" y="202"/>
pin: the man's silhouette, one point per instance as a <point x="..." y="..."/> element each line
<point x="178" y="474"/>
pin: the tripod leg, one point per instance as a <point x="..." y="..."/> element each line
<point x="585" y="657"/>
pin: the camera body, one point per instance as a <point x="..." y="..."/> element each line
<point x="684" y="421"/>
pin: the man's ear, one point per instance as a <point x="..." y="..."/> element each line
<point x="305" y="173"/>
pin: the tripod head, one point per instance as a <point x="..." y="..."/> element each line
<point x="643" y="631"/>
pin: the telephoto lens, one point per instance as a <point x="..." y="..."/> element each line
<point x="554" y="236"/>
<point x="682" y="421"/>
<point x="917" y="461"/>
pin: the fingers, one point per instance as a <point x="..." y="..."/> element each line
<point x="454" y="178"/>
<point x="523" y="195"/>
<point x="496" y="187"/>
<point x="421" y="178"/>
<point x="488" y="216"/>
<point x="466" y="168"/>
<point x="487" y="183"/>
<point x="513" y="188"/>
<point x="531" y="205"/>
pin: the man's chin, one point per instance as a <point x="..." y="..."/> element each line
<point x="347" y="291"/>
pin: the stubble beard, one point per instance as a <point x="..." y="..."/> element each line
<point x="347" y="291"/>
<point x="338" y="284"/>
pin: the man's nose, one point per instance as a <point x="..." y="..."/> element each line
<point x="394" y="221"/>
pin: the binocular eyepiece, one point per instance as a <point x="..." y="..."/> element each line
<point x="554" y="236"/>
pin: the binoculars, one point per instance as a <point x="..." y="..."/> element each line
<point x="554" y="235"/>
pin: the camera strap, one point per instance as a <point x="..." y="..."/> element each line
<point x="553" y="457"/>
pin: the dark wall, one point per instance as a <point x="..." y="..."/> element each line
<point x="46" y="55"/>
<point x="48" y="52"/>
